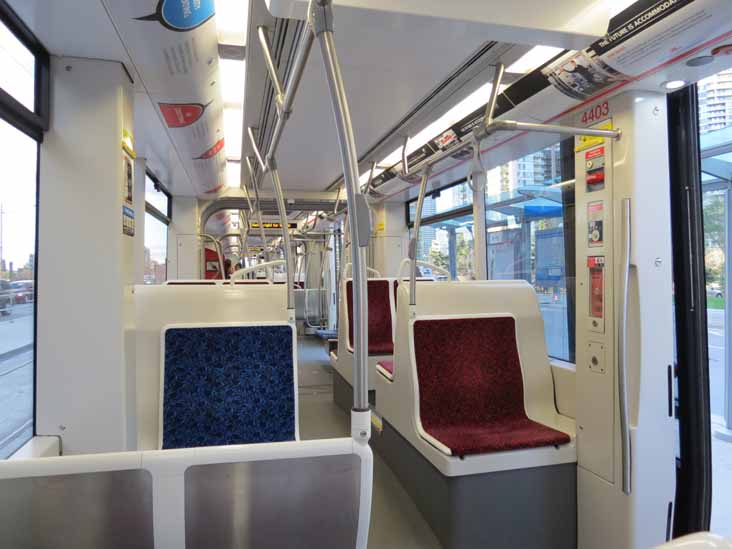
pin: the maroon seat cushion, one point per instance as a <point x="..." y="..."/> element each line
<point x="380" y="334"/>
<point x="387" y="365"/>
<point x="471" y="393"/>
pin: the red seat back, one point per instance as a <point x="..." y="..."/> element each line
<point x="380" y="333"/>
<point x="468" y="371"/>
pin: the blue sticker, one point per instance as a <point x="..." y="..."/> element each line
<point x="182" y="15"/>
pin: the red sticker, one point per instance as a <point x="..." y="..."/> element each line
<point x="180" y="115"/>
<point x="594" y="153"/>
<point x="213" y="151"/>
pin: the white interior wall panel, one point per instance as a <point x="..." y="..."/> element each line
<point x="86" y="275"/>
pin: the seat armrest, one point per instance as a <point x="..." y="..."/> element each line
<point x="565" y="387"/>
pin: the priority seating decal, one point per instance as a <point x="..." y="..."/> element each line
<point x="181" y="15"/>
<point x="181" y="115"/>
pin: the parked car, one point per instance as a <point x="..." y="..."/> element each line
<point x="7" y="297"/>
<point x="24" y="291"/>
<point x="714" y="290"/>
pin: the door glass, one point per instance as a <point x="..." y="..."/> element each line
<point x="18" y="158"/>
<point x="715" y="125"/>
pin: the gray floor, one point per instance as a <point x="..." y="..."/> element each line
<point x="395" y="520"/>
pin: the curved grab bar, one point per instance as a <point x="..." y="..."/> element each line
<point x="243" y="272"/>
<point x="406" y="261"/>
<point x="348" y="268"/>
<point x="625" y="265"/>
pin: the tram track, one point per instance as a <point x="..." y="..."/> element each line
<point x="15" y="368"/>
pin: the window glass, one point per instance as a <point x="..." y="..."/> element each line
<point x="156" y="250"/>
<point x="17" y="69"/>
<point x="525" y="206"/>
<point x="156" y="198"/>
<point x="18" y="159"/>
<point x="443" y="201"/>
<point x="715" y="127"/>
<point x="448" y="244"/>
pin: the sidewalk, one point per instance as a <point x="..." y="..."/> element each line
<point x="15" y="334"/>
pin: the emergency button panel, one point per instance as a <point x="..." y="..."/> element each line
<point x="595" y="169"/>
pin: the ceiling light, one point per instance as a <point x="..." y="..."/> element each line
<point x="231" y="21"/>
<point x="233" y="174"/>
<point x="674" y="84"/>
<point x="232" y="81"/>
<point x="535" y="57"/>
<point x="233" y="127"/>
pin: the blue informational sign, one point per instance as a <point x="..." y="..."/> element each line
<point x="549" y="256"/>
<point x="182" y="15"/>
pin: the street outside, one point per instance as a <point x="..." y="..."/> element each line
<point x="16" y="378"/>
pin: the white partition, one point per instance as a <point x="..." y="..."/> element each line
<point x="126" y="499"/>
<point x="160" y="306"/>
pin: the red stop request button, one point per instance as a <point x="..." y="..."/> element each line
<point x="596" y="178"/>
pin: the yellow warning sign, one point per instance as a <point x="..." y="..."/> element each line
<point x="584" y="142"/>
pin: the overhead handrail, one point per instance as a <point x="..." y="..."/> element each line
<point x="241" y="273"/>
<point x="405" y="161"/>
<point x="488" y="127"/>
<point x="406" y="261"/>
<point x="219" y="253"/>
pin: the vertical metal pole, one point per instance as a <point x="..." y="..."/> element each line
<point x="415" y="238"/>
<point x="357" y="208"/>
<point x="272" y="164"/>
<point x="727" y="316"/>
<point x="479" y="178"/>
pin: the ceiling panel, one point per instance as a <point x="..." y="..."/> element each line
<point x="389" y="64"/>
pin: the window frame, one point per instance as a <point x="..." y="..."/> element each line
<point x="32" y="123"/>
<point x="440" y="216"/>
<point x="165" y="217"/>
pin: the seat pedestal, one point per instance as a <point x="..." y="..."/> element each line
<point x="532" y="508"/>
<point x="343" y="393"/>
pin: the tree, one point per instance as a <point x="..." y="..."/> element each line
<point x="714" y="237"/>
<point x="436" y="257"/>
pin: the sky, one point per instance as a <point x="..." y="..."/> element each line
<point x="17" y="156"/>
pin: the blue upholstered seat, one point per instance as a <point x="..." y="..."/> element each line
<point x="228" y="385"/>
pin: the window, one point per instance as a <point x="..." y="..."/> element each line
<point x="448" y="244"/>
<point x="446" y="233"/>
<point x="24" y="103"/>
<point x="443" y="201"/>
<point x="530" y="234"/>
<point x="17" y="69"/>
<point x="528" y="239"/>
<point x="18" y="157"/>
<point x="158" y="208"/>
